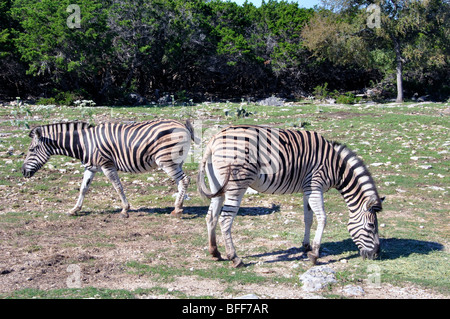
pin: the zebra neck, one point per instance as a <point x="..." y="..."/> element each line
<point x="66" y="139"/>
<point x="355" y="182"/>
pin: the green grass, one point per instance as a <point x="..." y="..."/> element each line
<point x="70" y="293"/>
<point x="415" y="236"/>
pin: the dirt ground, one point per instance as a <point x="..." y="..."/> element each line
<point x="39" y="255"/>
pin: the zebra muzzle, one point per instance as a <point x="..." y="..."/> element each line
<point x="27" y="173"/>
<point x="371" y="253"/>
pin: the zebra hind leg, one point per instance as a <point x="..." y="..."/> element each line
<point x="308" y="218"/>
<point x="182" y="188"/>
<point x="229" y="211"/>
<point x="211" y="222"/>
<point x="87" y="179"/>
<point x="112" y="175"/>
<point x="182" y="180"/>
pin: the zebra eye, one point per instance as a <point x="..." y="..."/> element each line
<point x="371" y="225"/>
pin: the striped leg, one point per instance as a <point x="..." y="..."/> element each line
<point x="308" y="218"/>
<point x="229" y="211"/>
<point x="182" y="180"/>
<point x="87" y="179"/>
<point x="315" y="201"/>
<point x="112" y="175"/>
<point x="211" y="222"/>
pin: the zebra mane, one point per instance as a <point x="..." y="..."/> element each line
<point x="74" y="125"/>
<point x="355" y="164"/>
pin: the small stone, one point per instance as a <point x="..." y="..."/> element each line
<point x="251" y="191"/>
<point x="376" y="164"/>
<point x="436" y="188"/>
<point x="353" y="290"/>
<point x="316" y="278"/>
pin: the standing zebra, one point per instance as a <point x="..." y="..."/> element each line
<point x="113" y="147"/>
<point x="277" y="161"/>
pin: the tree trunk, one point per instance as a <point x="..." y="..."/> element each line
<point x="399" y="71"/>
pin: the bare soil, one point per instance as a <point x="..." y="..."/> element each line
<point x="37" y="254"/>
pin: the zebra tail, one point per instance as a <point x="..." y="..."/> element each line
<point x="204" y="192"/>
<point x="190" y="128"/>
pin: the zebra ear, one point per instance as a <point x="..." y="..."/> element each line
<point x="37" y="131"/>
<point x="371" y="202"/>
<point x="383" y="198"/>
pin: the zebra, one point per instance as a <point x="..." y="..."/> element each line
<point x="112" y="147"/>
<point x="281" y="161"/>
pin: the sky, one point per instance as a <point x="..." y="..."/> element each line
<point x="303" y="3"/>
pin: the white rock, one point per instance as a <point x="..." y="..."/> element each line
<point x="186" y="196"/>
<point x="376" y="164"/>
<point x="251" y="191"/>
<point x="436" y="188"/>
<point x="353" y="290"/>
<point x="317" y="278"/>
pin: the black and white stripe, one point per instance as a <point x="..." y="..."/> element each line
<point x="277" y="161"/>
<point x="112" y="147"/>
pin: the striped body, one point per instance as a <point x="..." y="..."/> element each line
<point x="276" y="161"/>
<point x="112" y="147"/>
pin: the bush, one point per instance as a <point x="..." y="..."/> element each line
<point x="347" y="98"/>
<point x="321" y="91"/>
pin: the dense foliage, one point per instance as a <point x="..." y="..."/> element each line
<point x="192" y="49"/>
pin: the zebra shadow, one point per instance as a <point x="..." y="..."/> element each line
<point x="201" y="211"/>
<point x="391" y="249"/>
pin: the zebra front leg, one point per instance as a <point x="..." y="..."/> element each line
<point x="87" y="179"/>
<point x="315" y="201"/>
<point x="211" y="222"/>
<point x="112" y="175"/>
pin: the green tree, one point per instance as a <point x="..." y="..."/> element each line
<point x="409" y="32"/>
<point x="52" y="48"/>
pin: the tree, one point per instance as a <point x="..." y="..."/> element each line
<point x="408" y="31"/>
<point x="69" y="57"/>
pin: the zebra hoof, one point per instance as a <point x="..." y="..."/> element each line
<point x="72" y="212"/>
<point x="216" y="254"/>
<point x="312" y="257"/>
<point x="176" y="213"/>
<point x="307" y="247"/>
<point x="238" y="263"/>
<point x="124" y="215"/>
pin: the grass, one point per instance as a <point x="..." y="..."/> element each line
<point x="398" y="142"/>
<point x="72" y="293"/>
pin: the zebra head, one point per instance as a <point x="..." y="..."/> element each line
<point x="38" y="153"/>
<point x="363" y="227"/>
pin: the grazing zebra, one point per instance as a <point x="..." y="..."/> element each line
<point x="113" y="147"/>
<point x="277" y="161"/>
